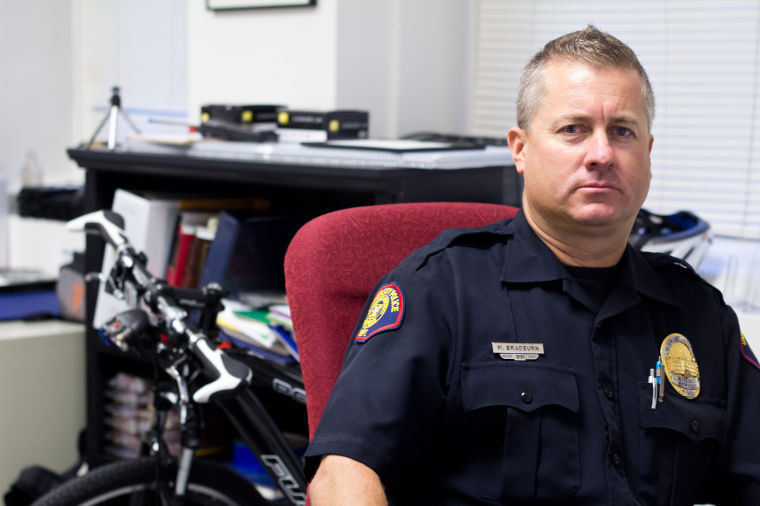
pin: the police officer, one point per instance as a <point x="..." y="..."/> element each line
<point x="541" y="360"/>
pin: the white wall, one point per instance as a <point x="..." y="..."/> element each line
<point x="138" y="45"/>
<point x="260" y="56"/>
<point x="35" y="87"/>
<point x="434" y="51"/>
<point x="60" y="59"/>
<point x="405" y="62"/>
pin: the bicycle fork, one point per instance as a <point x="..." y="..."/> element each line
<point x="191" y="424"/>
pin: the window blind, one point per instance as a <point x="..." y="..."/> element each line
<point x="702" y="60"/>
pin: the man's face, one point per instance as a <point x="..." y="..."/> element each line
<point x="585" y="159"/>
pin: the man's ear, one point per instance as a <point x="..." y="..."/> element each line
<point x="517" y="139"/>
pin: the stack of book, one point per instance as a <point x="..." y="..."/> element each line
<point x="266" y="330"/>
<point x="190" y="245"/>
<point x="129" y="414"/>
<point x="236" y="242"/>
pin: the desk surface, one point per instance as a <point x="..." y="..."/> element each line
<point x="456" y="175"/>
<point x="374" y="154"/>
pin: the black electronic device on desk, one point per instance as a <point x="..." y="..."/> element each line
<point x="252" y="123"/>
<point x="457" y="140"/>
<point x="257" y="117"/>
<point x="220" y="129"/>
<point x="319" y="126"/>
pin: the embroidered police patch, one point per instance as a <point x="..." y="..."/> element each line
<point x="747" y="353"/>
<point x="385" y="312"/>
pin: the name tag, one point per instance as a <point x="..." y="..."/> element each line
<point x="518" y="351"/>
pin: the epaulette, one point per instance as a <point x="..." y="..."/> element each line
<point x="663" y="262"/>
<point x="456" y="236"/>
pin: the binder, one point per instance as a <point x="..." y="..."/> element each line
<point x="183" y="239"/>
<point x="182" y="246"/>
<point x="247" y="252"/>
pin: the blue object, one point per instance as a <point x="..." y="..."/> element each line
<point x="17" y="305"/>
<point x="246" y="464"/>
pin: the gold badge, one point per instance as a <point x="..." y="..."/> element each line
<point x="680" y="365"/>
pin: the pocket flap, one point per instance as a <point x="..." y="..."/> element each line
<point x="697" y="419"/>
<point x="524" y="386"/>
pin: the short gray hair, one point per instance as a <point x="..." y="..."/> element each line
<point x="591" y="46"/>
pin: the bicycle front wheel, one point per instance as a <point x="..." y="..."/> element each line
<point x="132" y="482"/>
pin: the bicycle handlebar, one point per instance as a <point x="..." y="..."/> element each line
<point x="225" y="372"/>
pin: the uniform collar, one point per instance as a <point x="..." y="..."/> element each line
<point x="531" y="261"/>
<point x="642" y="277"/>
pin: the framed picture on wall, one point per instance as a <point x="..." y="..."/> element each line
<point x="228" y="5"/>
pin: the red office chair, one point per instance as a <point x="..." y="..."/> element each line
<point x="333" y="263"/>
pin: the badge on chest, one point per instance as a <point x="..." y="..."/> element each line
<point x="680" y="365"/>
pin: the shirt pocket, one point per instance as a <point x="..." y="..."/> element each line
<point x="530" y="447"/>
<point x="689" y="430"/>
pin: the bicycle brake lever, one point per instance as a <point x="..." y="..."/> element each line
<point x="107" y="224"/>
<point x="110" y="288"/>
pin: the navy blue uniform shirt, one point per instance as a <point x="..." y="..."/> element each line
<point x="481" y="373"/>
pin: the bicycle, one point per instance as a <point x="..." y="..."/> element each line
<point x="161" y="325"/>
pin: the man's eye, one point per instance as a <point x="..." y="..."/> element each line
<point x="571" y="129"/>
<point x="623" y="132"/>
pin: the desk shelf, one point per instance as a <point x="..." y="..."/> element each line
<point x="310" y="189"/>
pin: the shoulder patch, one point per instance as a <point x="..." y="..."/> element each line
<point x="747" y="353"/>
<point x="386" y="312"/>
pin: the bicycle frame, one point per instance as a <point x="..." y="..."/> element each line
<point x="257" y="429"/>
<point x="248" y="416"/>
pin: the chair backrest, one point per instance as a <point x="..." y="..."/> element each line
<point x="333" y="263"/>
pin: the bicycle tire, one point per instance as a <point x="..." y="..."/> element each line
<point x="119" y="482"/>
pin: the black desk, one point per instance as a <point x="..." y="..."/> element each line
<point x="108" y="170"/>
<point x="301" y="186"/>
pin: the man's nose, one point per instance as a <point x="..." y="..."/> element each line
<point x="600" y="153"/>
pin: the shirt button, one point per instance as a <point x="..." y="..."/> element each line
<point x="694" y="424"/>
<point x="616" y="459"/>
<point x="526" y="397"/>
<point x="609" y="393"/>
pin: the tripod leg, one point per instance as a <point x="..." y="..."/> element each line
<point x="113" y="116"/>
<point x="97" y="130"/>
<point x="129" y="120"/>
